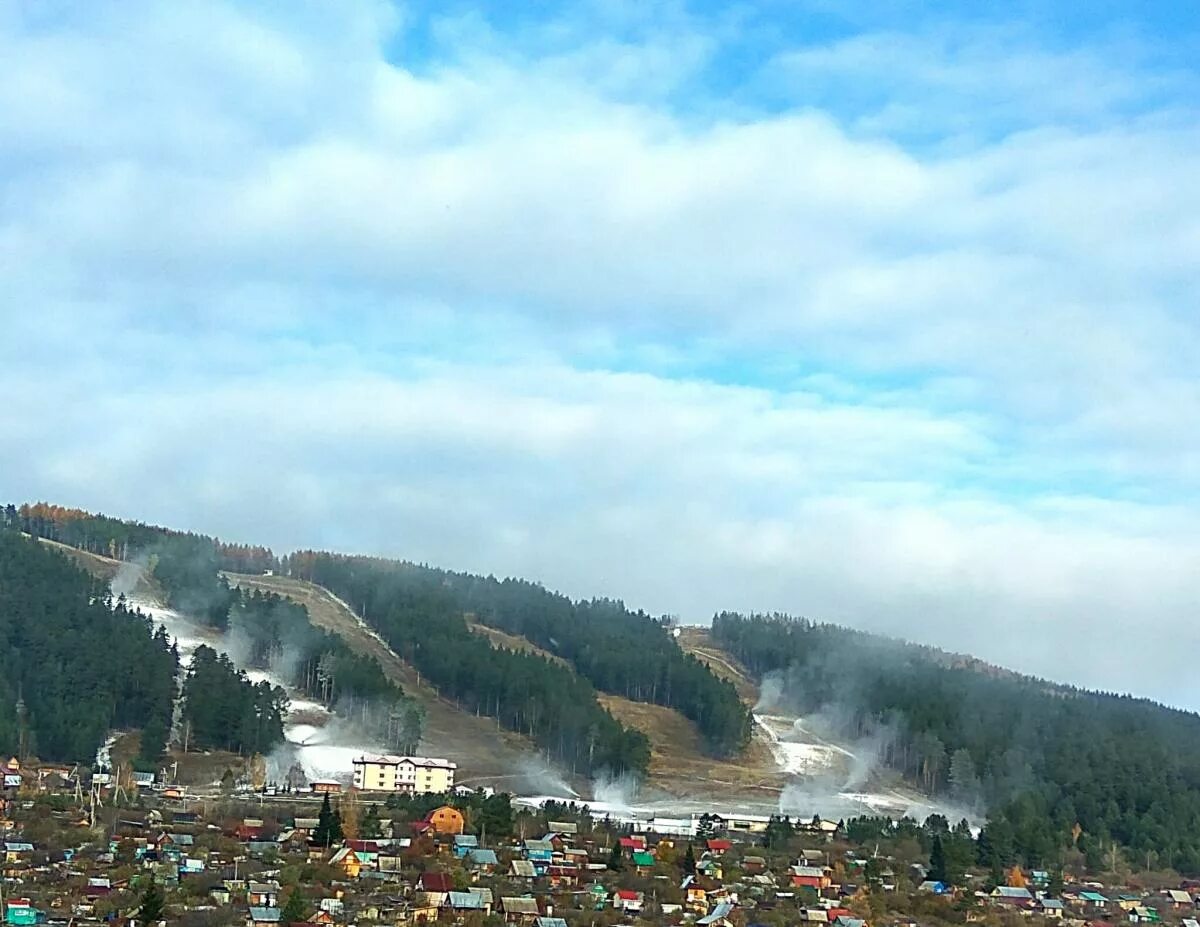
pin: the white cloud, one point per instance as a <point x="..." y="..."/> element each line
<point x="292" y="289"/>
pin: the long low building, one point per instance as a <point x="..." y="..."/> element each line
<point x="417" y="775"/>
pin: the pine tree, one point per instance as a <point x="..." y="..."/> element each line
<point x="937" y="861"/>
<point x="295" y="910"/>
<point x="324" y="835"/>
<point x="689" y="861"/>
<point x="616" y="861"/>
<point x="150" y="911"/>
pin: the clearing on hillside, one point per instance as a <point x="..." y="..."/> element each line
<point x="486" y="754"/>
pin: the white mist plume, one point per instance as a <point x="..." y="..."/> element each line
<point x="770" y="692"/>
<point x="130" y="575"/>
<point x="616" y="794"/>
<point x="538" y="776"/>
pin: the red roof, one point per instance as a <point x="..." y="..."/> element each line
<point x="435" y="882"/>
<point x="834" y="913"/>
<point x="626" y="895"/>
<point x="720" y="846"/>
<point x="634" y="843"/>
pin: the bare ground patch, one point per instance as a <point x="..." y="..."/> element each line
<point x="486" y="754"/>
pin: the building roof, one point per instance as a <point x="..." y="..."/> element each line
<point x="425" y="762"/>
<point x="719" y="913"/>
<point x="482" y="857"/>
<point x="551" y="922"/>
<point x="466" y="901"/>
<point x="435" y="882"/>
<point x="264" y="915"/>
<point x="520" y="906"/>
<point x="1008" y="891"/>
<point x="523" y="868"/>
<point x="466" y="840"/>
<point x="642" y="858"/>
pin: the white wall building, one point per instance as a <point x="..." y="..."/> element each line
<point x="417" y="775"/>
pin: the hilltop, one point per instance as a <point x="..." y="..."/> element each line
<point x="504" y="673"/>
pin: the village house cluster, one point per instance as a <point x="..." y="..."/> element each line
<point x="414" y="859"/>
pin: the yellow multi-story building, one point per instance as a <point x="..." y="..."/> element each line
<point x="417" y="775"/>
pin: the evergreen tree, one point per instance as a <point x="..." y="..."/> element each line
<point x="779" y="831"/>
<point x="706" y="827"/>
<point x="328" y="827"/>
<point x="295" y="909"/>
<point x="150" y="911"/>
<point x="616" y="859"/>
<point x="937" y="861"/>
<point x="371" y="827"/>
<point x="689" y="861"/>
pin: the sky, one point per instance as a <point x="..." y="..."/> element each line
<point x="873" y="311"/>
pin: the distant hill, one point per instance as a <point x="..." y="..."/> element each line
<point x="1063" y="773"/>
<point x="1041" y="757"/>
<point x="511" y="650"/>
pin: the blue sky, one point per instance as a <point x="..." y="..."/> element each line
<point x="878" y="312"/>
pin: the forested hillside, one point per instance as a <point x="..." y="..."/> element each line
<point x="617" y="650"/>
<point x="80" y="663"/>
<point x="278" y="634"/>
<point x="1041" y="758"/>
<point x="422" y="619"/>
<point x="274" y="632"/>
<point x="223" y="710"/>
<point x="421" y="612"/>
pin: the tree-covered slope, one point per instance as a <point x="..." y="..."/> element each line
<point x="422" y="619"/>
<point x="80" y="663"/>
<point x="607" y="647"/>
<point x="619" y="651"/>
<point x="1040" y="757"/>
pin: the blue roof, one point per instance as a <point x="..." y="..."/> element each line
<point x="483" y="857"/>
<point x="720" y="912"/>
<point x="267" y="915"/>
<point x="466" y="840"/>
<point x="466" y="900"/>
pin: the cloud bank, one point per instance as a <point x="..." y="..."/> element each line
<point x="894" y="328"/>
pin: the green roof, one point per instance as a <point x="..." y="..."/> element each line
<point x="642" y="858"/>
